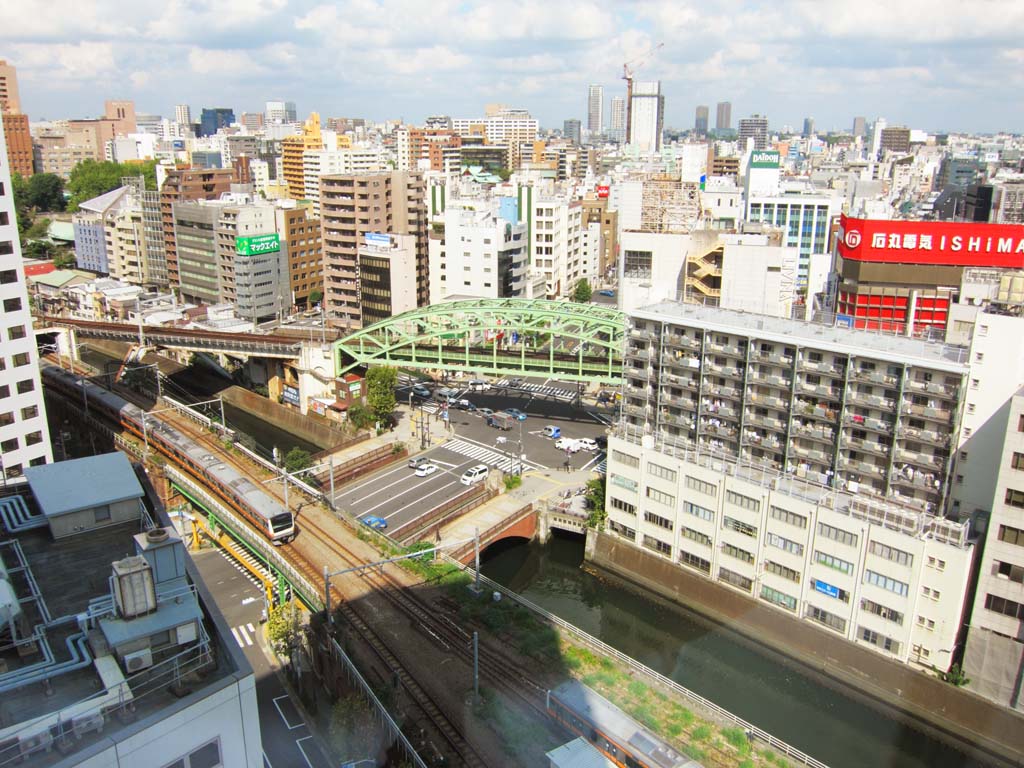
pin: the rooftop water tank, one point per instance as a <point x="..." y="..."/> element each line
<point x="134" y="591"/>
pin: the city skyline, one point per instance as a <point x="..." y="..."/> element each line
<point x="454" y="58"/>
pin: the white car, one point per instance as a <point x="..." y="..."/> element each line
<point x="426" y="469"/>
<point x="587" y="444"/>
<point x="567" y="444"/>
<point x="478" y="385"/>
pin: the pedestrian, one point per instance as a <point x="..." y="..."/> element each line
<point x="566" y="465"/>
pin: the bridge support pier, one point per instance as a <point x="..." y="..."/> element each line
<point x="543" y="527"/>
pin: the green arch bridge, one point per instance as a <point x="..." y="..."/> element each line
<point x="529" y="337"/>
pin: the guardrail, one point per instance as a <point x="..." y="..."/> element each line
<point x="592" y="642"/>
<point x="464" y="502"/>
<point x="485" y="536"/>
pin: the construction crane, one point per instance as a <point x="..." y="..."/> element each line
<point x="627" y="74"/>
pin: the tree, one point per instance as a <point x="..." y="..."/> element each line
<point x="595" y="499"/>
<point x="315" y="296"/>
<point x="46" y="192"/>
<point x="297" y="459"/>
<point x="283" y="628"/>
<point x="19" y="188"/>
<point x="360" y="416"/>
<point x="38" y="230"/>
<point x="90" y="179"/>
<point x="380" y="392"/>
<point x="582" y="292"/>
<point x="955" y="676"/>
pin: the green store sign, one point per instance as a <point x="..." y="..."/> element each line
<point x="252" y="246"/>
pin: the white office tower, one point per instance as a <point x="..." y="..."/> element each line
<point x="24" y="437"/>
<point x="647" y="117"/>
<point x="617" y="126"/>
<point x="280" y="112"/>
<point x="183" y="114"/>
<point x="876" y="138"/>
<point x="595" y="110"/>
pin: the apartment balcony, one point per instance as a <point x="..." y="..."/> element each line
<point x="639" y="355"/>
<point x="815" y="411"/>
<point x="732" y="371"/>
<point x="767" y="442"/>
<point x="771" y="379"/>
<point x="677" y="420"/>
<point x="868" y="422"/>
<point x="909" y="477"/>
<point x="929" y="460"/>
<point x="816" y="432"/>
<point x="767" y="422"/>
<point x="720" y="409"/>
<point x="870" y="446"/>
<point x="635" y="410"/>
<point x="731" y="350"/>
<point x="924" y="436"/>
<point x="857" y="397"/>
<point x="640" y="392"/>
<point x="722" y="390"/>
<point x="862" y="467"/>
<point x="931" y="412"/>
<point x="937" y="388"/>
<point x="687" y="381"/>
<point x="637" y="373"/>
<point x="769" y="401"/>
<point x="686" y="362"/>
<point x="774" y="357"/>
<point x="819" y="390"/>
<point x="636" y="334"/>
<point x="875" y="376"/>
<point x="828" y="368"/>
<point x="709" y="427"/>
<point x="683" y="342"/>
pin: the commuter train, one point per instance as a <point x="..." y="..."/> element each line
<point x="235" y="490"/>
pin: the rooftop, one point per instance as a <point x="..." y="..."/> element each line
<point x="69" y="486"/>
<point x="578" y="753"/>
<point x="897" y="349"/>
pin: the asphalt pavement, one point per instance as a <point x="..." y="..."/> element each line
<point x="287" y="740"/>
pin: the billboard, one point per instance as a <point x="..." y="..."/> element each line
<point x="826" y="589"/>
<point x="290" y="395"/>
<point x="945" y="243"/>
<point x="764" y="158"/>
<point x="603" y="191"/>
<point x="377" y="239"/>
<point x="251" y="246"/>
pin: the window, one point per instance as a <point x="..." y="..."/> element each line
<point x="882" y="611"/>
<point x="793" y="547"/>
<point x="623" y="482"/>
<point x="891" y="553"/>
<point x="637" y="264"/>
<point x="25" y="386"/>
<point x="1010" y="571"/>
<point x="739" y="526"/>
<point x="16" y="332"/>
<point x="9" y="445"/>
<point x="30" y="412"/>
<point x="8" y="276"/>
<point x="746" y="502"/>
<point x="739" y="554"/>
<point x="663" y="472"/>
<point x="20" y="359"/>
<point x="936" y="563"/>
<point x="102" y="513"/>
<point x="33" y="438"/>
<point x="788" y="517"/>
<point x="700" y="538"/>
<point x="622" y="506"/>
<point x="662" y="498"/>
<point x="657" y="545"/>
<point x="626" y="459"/>
<point x="696" y="484"/>
<point x="1020" y="419"/>
<point x="661" y="522"/>
<point x="824" y="617"/>
<point x="931" y="594"/>
<point x="833" y="562"/>
<point x="694" y="562"/>
<point x="1014" y="498"/>
<point x="779" y="598"/>
<point x="1017" y="462"/>
<point x="837" y="534"/>
<point x="736" y="579"/>
<point x="6" y="419"/>
<point x="1006" y="607"/>
<point x="824" y="588"/>
<point x="12" y="305"/>
<point x="622" y="530"/>
<point x="780" y="570"/>
<point x="702" y="512"/>
<point x="1011" y="535"/>
<point x="883" y="642"/>
<point x="886" y="582"/>
<point x="979" y="357"/>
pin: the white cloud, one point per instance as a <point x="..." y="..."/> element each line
<point x="204" y="61"/>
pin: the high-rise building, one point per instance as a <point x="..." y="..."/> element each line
<point x="281" y="112"/>
<point x="808" y="127"/>
<point x="617" y="125"/>
<point x="647" y="116"/>
<point x="212" y="120"/>
<point x="723" y="116"/>
<point x="571" y="130"/>
<point x="292" y="149"/>
<point x="387" y="276"/>
<point x="700" y="122"/>
<point x="20" y="153"/>
<point x="183" y="184"/>
<point x="595" y="110"/>
<point x="24" y="437"/>
<point x="9" y="99"/>
<point x="754" y="127"/>
<point x="350" y="207"/>
<point x="876" y="137"/>
<point x="859" y="126"/>
<point x="511" y="128"/>
<point x="301" y="237"/>
<point x="122" y="114"/>
<point x="895" y="139"/>
<point x="183" y="114"/>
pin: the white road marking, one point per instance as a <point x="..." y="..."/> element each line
<point x="417" y="500"/>
<point x="251" y="628"/>
<point x="443" y="463"/>
<point x="266" y="761"/>
<point x="238" y="638"/>
<point x="298" y="743"/>
<point x="245" y="634"/>
<point x="248" y="600"/>
<point x="379" y="490"/>
<point x="287" y="724"/>
<point x="370" y="481"/>
<point x="596" y="457"/>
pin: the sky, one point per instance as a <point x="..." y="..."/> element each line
<point x="927" y="64"/>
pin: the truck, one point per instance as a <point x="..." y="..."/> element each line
<point x="500" y="421"/>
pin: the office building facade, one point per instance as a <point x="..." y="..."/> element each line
<point x="571" y="131"/>
<point x="754" y="127"/>
<point x="700" y="121"/>
<point x="723" y="116"/>
<point x="647" y="116"/>
<point x="617" y="121"/>
<point x="595" y="110"/>
<point x="212" y="120"/>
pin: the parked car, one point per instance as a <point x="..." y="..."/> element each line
<point x="587" y="444"/>
<point x="418" y="461"/>
<point x="420" y="391"/>
<point x="516" y="382"/>
<point x="485" y="412"/>
<point x="552" y="432"/>
<point x="474" y="474"/>
<point x="606" y="292"/>
<point x="425" y="470"/>
<point x="464" y="405"/>
<point x="515" y="413"/>
<point x="478" y="385"/>
<point x="567" y="444"/>
<point x="377" y="523"/>
<point x="602" y="442"/>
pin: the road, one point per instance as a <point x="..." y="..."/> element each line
<point x="287" y="740"/>
<point x="398" y="496"/>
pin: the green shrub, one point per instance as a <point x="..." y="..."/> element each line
<point x="738" y="738"/>
<point x="701" y="733"/>
<point x="638" y="689"/>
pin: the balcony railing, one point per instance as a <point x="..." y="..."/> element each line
<point x="924" y="435"/>
<point x="876" y="376"/>
<point x="932" y="387"/>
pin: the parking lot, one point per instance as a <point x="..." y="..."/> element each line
<point x="397" y="495"/>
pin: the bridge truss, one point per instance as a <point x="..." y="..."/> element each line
<point x="530" y="337"/>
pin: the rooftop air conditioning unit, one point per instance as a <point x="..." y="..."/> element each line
<point x="87" y="724"/>
<point x="134" y="591"/>
<point x="33" y="742"/>
<point x="138" y="661"/>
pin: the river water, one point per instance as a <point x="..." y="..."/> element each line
<point x="752" y="682"/>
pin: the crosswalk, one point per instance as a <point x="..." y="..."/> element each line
<point x="601" y="467"/>
<point x="245" y="634"/>
<point x="558" y="393"/>
<point x="252" y="561"/>
<point x="489" y="456"/>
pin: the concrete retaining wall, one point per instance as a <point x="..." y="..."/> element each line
<point x="283" y="417"/>
<point x="957" y="716"/>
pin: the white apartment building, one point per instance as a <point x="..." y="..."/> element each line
<point x="554" y="224"/>
<point x="647" y="116"/>
<point x="511" y="128"/>
<point x="24" y="436"/>
<point x="317" y="163"/>
<point x="595" y="110"/>
<point x="803" y="465"/>
<point x="481" y="254"/>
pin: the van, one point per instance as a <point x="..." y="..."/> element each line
<point x="474" y="474"/>
<point x="500" y="421"/>
<point x="417" y="461"/>
<point x="552" y="432"/>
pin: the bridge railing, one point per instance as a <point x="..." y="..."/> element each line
<point x="498" y="527"/>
